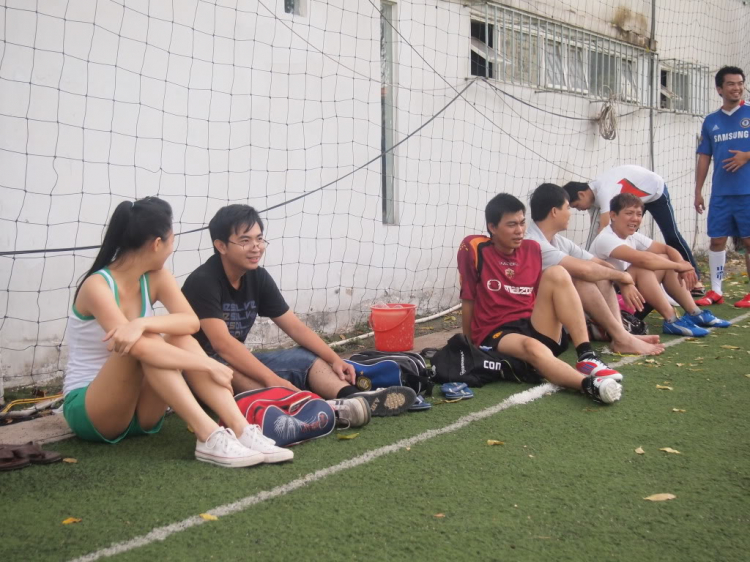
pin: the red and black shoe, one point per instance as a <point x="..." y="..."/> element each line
<point x="711" y="297"/>
<point x="744" y="303"/>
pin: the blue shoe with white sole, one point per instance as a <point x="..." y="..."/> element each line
<point x="684" y="327"/>
<point x="708" y="320"/>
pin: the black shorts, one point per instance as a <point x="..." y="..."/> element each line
<point x="524" y="327"/>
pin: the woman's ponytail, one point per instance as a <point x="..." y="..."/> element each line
<point x="132" y="225"/>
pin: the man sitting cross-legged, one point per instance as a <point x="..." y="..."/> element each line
<point x="652" y="264"/>
<point x="508" y="303"/>
<point x="231" y="289"/>
<point x="592" y="277"/>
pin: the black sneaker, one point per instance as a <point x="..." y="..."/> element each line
<point x="390" y="401"/>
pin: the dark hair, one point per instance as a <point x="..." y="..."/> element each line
<point x="573" y="187"/>
<point x="724" y="70"/>
<point x="502" y="204"/>
<point x="230" y="219"/>
<point x="623" y="201"/>
<point x="132" y="225"/>
<point x="546" y="197"/>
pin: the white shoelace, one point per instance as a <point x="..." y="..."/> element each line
<point x="258" y="441"/>
<point x="226" y="440"/>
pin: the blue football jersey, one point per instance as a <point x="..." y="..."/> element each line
<point x="720" y="134"/>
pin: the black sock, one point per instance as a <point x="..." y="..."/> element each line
<point x="584" y="349"/>
<point x="347" y="391"/>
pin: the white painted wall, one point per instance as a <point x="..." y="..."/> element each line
<point x="210" y="103"/>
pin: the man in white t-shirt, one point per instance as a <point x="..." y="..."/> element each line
<point x="592" y="277"/>
<point x="652" y="264"/>
<point x="649" y="188"/>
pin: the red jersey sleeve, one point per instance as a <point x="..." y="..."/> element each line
<point x="467" y="270"/>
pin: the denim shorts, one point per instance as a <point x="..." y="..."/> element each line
<point x="290" y="364"/>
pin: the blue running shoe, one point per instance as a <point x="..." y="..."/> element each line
<point x="684" y="327"/>
<point x="705" y="318"/>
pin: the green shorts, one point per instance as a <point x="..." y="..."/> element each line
<point x="74" y="410"/>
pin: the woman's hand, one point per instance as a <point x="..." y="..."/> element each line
<point x="221" y="374"/>
<point x="122" y="338"/>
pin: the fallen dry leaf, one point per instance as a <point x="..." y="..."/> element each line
<point x="670" y="450"/>
<point x="439" y="515"/>
<point x="680" y="364"/>
<point x="349" y="436"/>
<point x="649" y="361"/>
<point x="748" y="376"/>
<point x="70" y="460"/>
<point x="680" y="411"/>
<point x="71" y="520"/>
<point x="729" y="347"/>
<point x="640" y="451"/>
<point x="660" y="497"/>
<point x="495" y="442"/>
<point x="662" y="387"/>
<point x="209" y="517"/>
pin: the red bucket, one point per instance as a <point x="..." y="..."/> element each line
<point x="393" y="325"/>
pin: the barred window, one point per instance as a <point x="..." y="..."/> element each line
<point x="684" y="87"/>
<point x="512" y="46"/>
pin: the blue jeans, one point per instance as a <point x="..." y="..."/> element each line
<point x="663" y="214"/>
<point x="292" y="365"/>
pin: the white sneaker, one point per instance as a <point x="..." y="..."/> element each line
<point x="252" y="437"/>
<point x="351" y="412"/>
<point x="602" y="389"/>
<point x="223" y="448"/>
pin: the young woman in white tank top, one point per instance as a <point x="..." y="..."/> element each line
<point x="126" y="365"/>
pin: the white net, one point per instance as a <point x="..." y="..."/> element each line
<point x="370" y="134"/>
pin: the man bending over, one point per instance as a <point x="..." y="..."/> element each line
<point x="652" y="264"/>
<point x="510" y="305"/>
<point x="593" y="278"/>
<point x="230" y="290"/>
<point x="650" y="188"/>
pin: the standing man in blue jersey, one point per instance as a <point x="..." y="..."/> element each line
<point x="725" y="135"/>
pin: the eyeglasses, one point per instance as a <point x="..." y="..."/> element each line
<point x="262" y="243"/>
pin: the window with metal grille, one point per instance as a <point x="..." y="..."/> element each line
<point x="520" y="48"/>
<point x="683" y="87"/>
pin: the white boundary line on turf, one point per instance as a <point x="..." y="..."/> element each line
<point x="634" y="358"/>
<point x="161" y="533"/>
<point x="525" y="397"/>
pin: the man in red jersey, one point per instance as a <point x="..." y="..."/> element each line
<point x="508" y="303"/>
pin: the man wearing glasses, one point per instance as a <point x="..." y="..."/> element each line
<point x="231" y="290"/>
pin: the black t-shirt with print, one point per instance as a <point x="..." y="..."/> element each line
<point x="211" y="295"/>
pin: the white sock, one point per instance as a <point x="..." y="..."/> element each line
<point x="716" y="261"/>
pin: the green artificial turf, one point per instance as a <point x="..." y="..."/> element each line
<point x="566" y="484"/>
